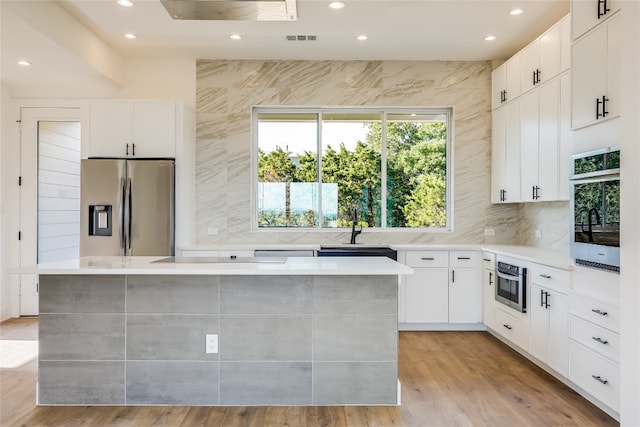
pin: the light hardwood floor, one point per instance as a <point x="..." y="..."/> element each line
<point x="448" y="379"/>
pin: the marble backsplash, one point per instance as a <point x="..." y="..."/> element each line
<point x="552" y="219"/>
<point x="227" y="90"/>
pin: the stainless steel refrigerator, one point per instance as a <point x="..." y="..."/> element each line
<point x="127" y="207"/>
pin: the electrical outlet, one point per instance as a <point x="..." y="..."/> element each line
<point x="211" y="343"/>
<point x="212" y="231"/>
<point x="489" y="232"/>
<point x="538" y="233"/>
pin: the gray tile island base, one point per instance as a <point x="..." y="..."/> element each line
<point x="283" y="340"/>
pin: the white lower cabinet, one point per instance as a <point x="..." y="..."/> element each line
<point x="514" y="329"/>
<point x="427" y="293"/>
<point x="465" y="295"/>
<point x="446" y="287"/>
<point x="489" y="289"/>
<point x="594" y="347"/>
<point x="596" y="374"/>
<point x="549" y="327"/>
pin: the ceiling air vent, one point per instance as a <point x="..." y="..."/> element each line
<point x="302" y="38"/>
<point x="232" y="10"/>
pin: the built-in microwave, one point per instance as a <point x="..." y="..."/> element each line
<point x="511" y="286"/>
<point x="595" y="209"/>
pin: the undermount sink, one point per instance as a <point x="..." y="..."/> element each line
<point x="222" y="260"/>
<point x="357" y="250"/>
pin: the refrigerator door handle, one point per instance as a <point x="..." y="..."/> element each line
<point x="121" y="216"/>
<point x="127" y="217"/>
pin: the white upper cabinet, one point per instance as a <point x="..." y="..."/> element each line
<point x="541" y="59"/>
<point x="126" y="128"/>
<point x="586" y="14"/>
<point x="539" y="150"/>
<point x="505" y="154"/>
<point x="505" y="82"/>
<point x="565" y="43"/>
<point x="595" y="71"/>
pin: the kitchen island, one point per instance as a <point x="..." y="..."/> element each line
<point x="303" y="331"/>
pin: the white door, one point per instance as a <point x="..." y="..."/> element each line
<point x="427" y="296"/>
<point x="49" y="192"/>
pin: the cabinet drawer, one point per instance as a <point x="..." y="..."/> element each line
<point x="458" y="259"/>
<point x="489" y="260"/>
<point x="598" y="312"/>
<point x="550" y="278"/>
<point x="197" y="253"/>
<point x="597" y="375"/>
<point x="512" y="328"/>
<point x="596" y="338"/>
<point x="238" y="253"/>
<point x="428" y="259"/>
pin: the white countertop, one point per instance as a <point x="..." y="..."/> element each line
<point x="293" y="266"/>
<point x="549" y="257"/>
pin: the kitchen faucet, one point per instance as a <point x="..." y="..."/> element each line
<point x="354" y="232"/>
<point x="589" y="232"/>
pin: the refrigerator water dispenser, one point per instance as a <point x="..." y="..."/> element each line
<point x="100" y="220"/>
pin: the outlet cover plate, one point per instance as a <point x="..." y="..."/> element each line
<point x="211" y="343"/>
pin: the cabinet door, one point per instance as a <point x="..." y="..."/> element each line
<point x="154" y="132"/>
<point x="488" y="297"/>
<point x="565" y="44"/>
<point x="529" y="126"/>
<point x="614" y="47"/>
<point x="512" y="153"/>
<point x="513" y="77"/>
<point x="548" y="135"/>
<point x="539" y="323"/>
<point x="465" y="295"/>
<point x="588" y="71"/>
<point x="549" y="54"/>
<point x="426" y="296"/>
<point x="584" y="15"/>
<point x="564" y="143"/>
<point x="111" y="124"/>
<point x="498" y="153"/>
<point x="530" y="64"/>
<point x="558" y="332"/>
<point x="498" y="85"/>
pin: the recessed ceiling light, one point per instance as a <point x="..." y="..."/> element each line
<point x="489" y="38"/>
<point x="125" y="3"/>
<point x="362" y="37"/>
<point x="24" y="63"/>
<point x="515" y="12"/>
<point x="130" y="36"/>
<point x="336" y="4"/>
<point x="235" y="36"/>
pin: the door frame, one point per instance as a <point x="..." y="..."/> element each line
<point x="27" y="219"/>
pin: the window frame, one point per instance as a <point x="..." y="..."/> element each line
<point x="448" y="112"/>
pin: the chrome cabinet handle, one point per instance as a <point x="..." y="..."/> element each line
<point x="508" y="327"/>
<point x="599" y="379"/>
<point x="600" y="312"/>
<point x="545" y="276"/>
<point x="600" y="340"/>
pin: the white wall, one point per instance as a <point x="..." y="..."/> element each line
<point x="630" y="215"/>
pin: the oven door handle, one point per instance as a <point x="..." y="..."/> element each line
<point x="507" y="276"/>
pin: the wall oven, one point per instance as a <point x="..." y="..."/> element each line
<point x="595" y="209"/>
<point x="511" y="286"/>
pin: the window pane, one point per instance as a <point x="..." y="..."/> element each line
<point x="351" y="168"/>
<point x="416" y="170"/>
<point x="287" y="170"/>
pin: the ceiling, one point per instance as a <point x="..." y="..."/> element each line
<point x="396" y="30"/>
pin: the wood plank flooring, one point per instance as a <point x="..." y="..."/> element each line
<point x="448" y="379"/>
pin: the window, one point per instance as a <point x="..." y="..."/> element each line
<point x="315" y="166"/>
